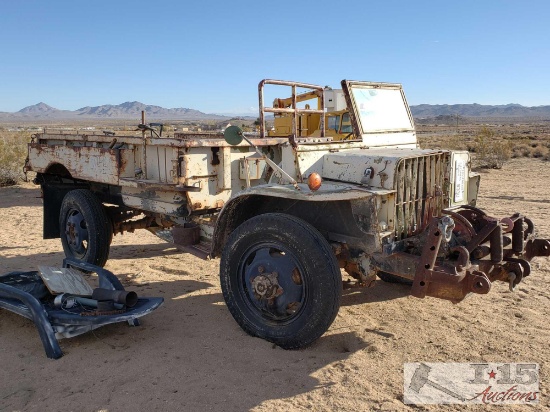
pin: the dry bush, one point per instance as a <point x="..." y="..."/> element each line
<point x="540" y="152"/>
<point x="426" y="142"/>
<point x="521" y="150"/>
<point x="536" y="150"/>
<point x="13" y="151"/>
<point x="444" y="141"/>
<point x="490" y="151"/>
<point x="515" y="139"/>
<point x="456" y="142"/>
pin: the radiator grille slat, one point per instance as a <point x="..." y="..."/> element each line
<point x="419" y="192"/>
<point x="414" y="204"/>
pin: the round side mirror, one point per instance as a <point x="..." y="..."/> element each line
<point x="233" y="135"/>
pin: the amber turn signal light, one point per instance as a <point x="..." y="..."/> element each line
<point x="314" y="181"/>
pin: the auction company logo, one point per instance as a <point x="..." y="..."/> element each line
<point x="466" y="383"/>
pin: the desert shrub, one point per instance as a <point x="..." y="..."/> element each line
<point x="13" y="150"/>
<point x="540" y="152"/>
<point x="457" y="142"/>
<point x="490" y="151"/>
<point x="424" y="142"/>
<point x="521" y="150"/>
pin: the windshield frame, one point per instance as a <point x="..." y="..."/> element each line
<point x="349" y="86"/>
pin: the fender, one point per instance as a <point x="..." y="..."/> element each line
<point x="332" y="199"/>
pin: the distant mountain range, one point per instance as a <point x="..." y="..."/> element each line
<point x="479" y="110"/>
<point x="128" y="110"/>
<point x="132" y="110"/>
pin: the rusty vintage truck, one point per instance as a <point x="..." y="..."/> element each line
<point x="290" y="215"/>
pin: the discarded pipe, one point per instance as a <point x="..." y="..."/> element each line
<point x="124" y="297"/>
<point x="67" y="301"/>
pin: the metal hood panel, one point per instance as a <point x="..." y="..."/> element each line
<point x="375" y="168"/>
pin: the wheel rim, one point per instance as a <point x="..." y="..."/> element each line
<point x="271" y="283"/>
<point x="76" y="231"/>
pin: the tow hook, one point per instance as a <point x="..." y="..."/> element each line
<point x="446" y="225"/>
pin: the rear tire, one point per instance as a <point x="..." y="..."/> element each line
<point x="85" y="229"/>
<point x="280" y="280"/>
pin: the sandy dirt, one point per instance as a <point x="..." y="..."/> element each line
<point x="191" y="355"/>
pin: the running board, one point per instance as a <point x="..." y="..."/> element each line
<point x="201" y="250"/>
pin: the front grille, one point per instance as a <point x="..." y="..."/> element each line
<point x="421" y="189"/>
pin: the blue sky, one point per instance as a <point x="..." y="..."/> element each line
<point x="210" y="55"/>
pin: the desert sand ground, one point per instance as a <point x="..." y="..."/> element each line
<point x="190" y="355"/>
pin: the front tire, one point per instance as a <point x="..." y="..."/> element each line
<point x="86" y="231"/>
<point x="280" y="280"/>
